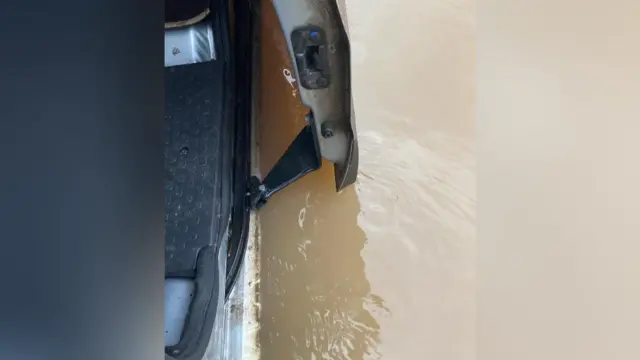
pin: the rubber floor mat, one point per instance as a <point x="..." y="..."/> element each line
<point x="198" y="158"/>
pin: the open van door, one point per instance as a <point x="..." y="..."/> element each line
<point x="319" y="47"/>
<point x="209" y="191"/>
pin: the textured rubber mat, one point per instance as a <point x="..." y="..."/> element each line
<point x="198" y="155"/>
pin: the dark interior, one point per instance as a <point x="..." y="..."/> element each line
<point x="184" y="10"/>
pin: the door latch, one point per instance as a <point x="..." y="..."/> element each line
<point x="310" y="51"/>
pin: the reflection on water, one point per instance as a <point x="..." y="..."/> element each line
<point x="316" y="296"/>
<point x="385" y="268"/>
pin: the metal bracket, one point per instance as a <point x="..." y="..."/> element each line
<point x="302" y="157"/>
<point x="189" y="45"/>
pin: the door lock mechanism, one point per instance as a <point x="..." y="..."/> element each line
<point x="310" y="51"/>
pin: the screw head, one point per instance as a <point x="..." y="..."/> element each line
<point x="326" y="129"/>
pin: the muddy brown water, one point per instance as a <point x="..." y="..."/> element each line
<point x="384" y="269"/>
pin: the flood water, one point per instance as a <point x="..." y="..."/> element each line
<point x="386" y="268"/>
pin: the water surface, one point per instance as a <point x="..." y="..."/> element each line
<point x="384" y="269"/>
